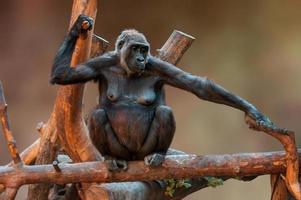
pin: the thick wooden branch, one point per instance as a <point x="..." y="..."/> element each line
<point x="66" y="122"/>
<point x="178" y="167"/>
<point x="72" y="130"/>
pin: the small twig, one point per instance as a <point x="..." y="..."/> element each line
<point x="12" y="147"/>
<point x="99" y="46"/>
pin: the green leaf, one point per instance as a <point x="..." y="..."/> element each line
<point x="214" y="182"/>
<point x="187" y="185"/>
<point x="172" y="185"/>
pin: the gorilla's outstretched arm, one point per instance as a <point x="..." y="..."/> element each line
<point x="207" y="90"/>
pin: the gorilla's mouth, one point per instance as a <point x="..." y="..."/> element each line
<point x="138" y="67"/>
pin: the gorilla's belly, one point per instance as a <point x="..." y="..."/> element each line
<point x="130" y="123"/>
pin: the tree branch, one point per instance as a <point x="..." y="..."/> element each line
<point x="29" y="155"/>
<point x="178" y="167"/>
<point x="287" y="139"/>
<point x="11" y="143"/>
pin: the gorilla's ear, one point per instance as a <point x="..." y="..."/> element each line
<point x="120" y="44"/>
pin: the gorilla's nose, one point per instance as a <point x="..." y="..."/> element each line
<point x="140" y="59"/>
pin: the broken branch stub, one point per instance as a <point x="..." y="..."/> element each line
<point x="175" y="47"/>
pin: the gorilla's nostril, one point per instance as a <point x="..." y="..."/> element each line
<point x="140" y="59"/>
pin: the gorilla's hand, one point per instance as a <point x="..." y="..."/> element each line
<point x="82" y="25"/>
<point x="259" y="122"/>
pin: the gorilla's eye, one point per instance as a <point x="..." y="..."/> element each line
<point x="134" y="48"/>
<point x="143" y="50"/>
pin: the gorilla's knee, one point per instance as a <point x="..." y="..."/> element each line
<point x="163" y="110"/>
<point x="164" y="113"/>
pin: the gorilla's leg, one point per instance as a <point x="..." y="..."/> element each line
<point x="96" y="123"/>
<point x="104" y="139"/>
<point x="159" y="137"/>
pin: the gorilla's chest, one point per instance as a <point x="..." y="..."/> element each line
<point x="130" y="104"/>
<point x="130" y="90"/>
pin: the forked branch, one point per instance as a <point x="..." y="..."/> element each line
<point x="287" y="139"/>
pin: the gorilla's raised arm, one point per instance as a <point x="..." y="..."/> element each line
<point x="62" y="73"/>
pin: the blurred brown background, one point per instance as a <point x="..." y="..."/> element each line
<point x="252" y="48"/>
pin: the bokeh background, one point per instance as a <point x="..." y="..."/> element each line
<point x="252" y="48"/>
